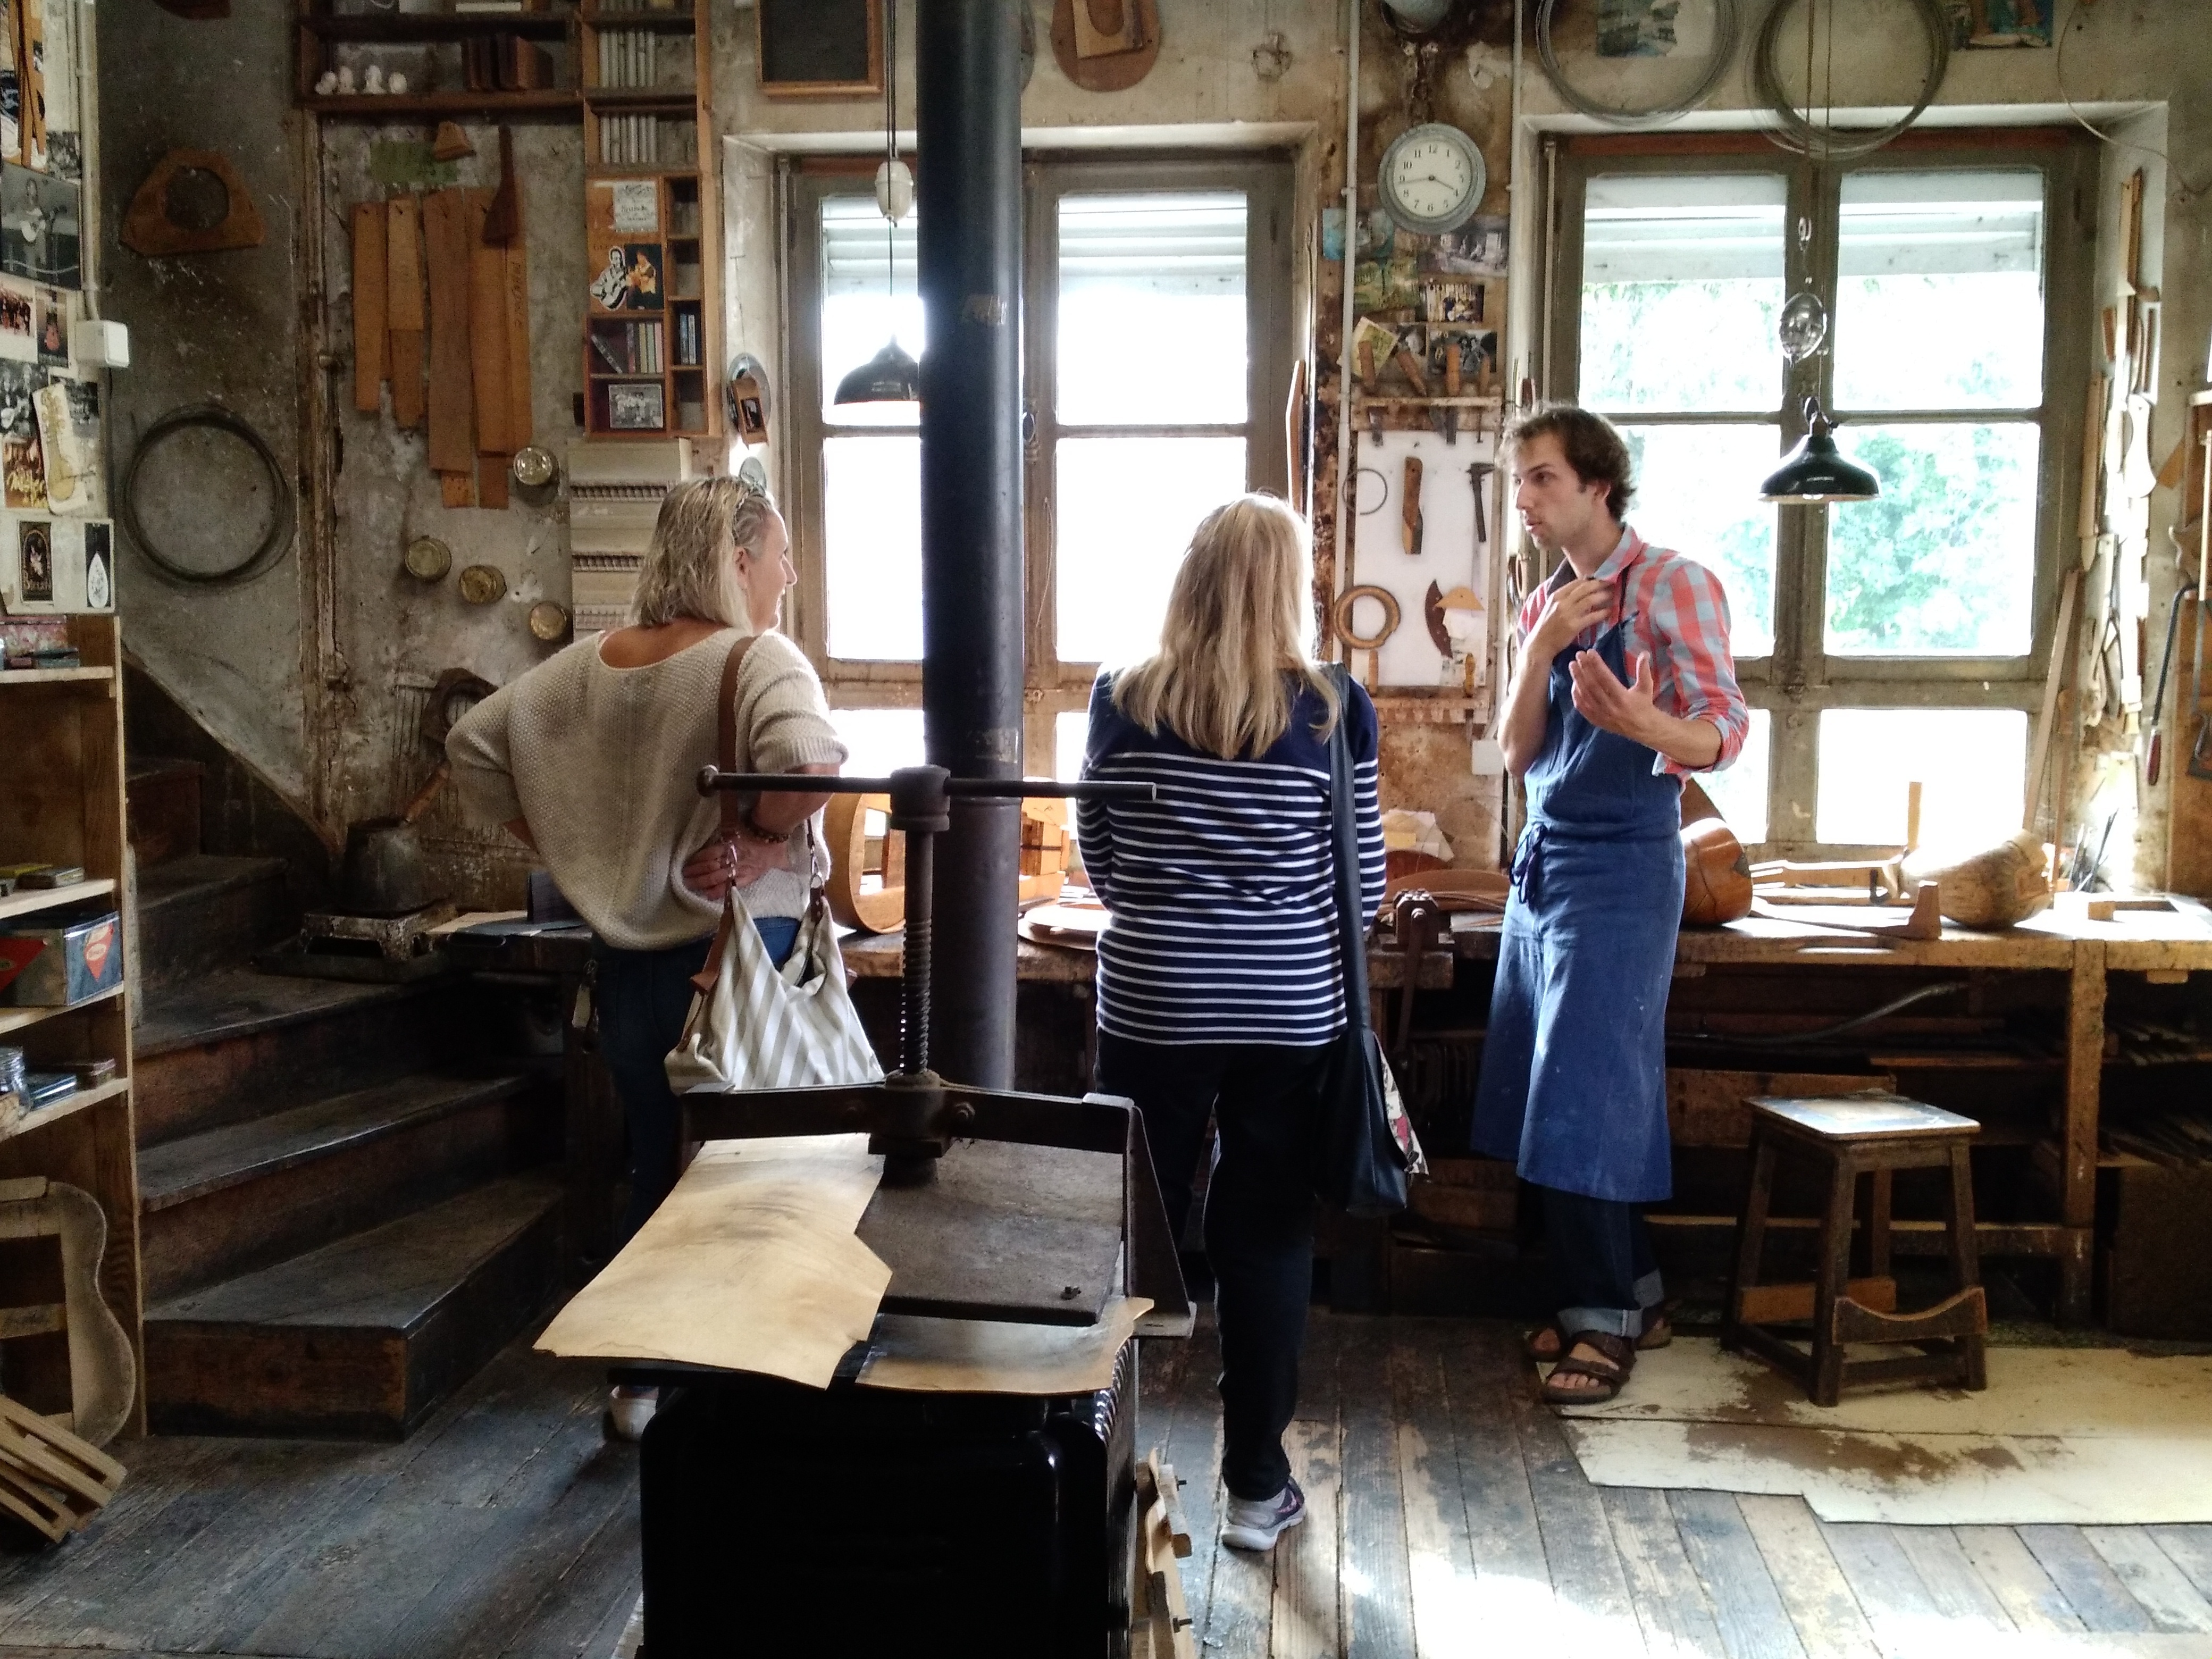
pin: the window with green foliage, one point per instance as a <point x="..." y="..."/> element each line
<point x="1880" y="643"/>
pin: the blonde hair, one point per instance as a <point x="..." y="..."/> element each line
<point x="1237" y="629"/>
<point x="688" y="570"/>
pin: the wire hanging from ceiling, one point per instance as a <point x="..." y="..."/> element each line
<point x="1795" y="130"/>
<point x="1727" y="28"/>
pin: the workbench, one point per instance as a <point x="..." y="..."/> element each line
<point x="2161" y="947"/>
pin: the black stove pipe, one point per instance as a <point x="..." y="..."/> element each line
<point x="969" y="180"/>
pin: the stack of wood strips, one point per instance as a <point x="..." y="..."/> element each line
<point x="48" y="1476"/>
<point x="455" y="350"/>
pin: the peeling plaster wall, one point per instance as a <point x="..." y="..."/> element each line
<point x="329" y="722"/>
<point x="214" y="327"/>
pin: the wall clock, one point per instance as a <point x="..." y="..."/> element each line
<point x="1432" y="178"/>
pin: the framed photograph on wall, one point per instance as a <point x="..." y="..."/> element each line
<point x="819" y="48"/>
<point x="637" y="406"/>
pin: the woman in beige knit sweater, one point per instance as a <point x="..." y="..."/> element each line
<point x="590" y="758"/>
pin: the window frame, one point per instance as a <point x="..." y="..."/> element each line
<point x="1051" y="686"/>
<point x="1801" y="678"/>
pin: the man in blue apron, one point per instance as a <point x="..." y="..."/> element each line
<point x="1626" y="685"/>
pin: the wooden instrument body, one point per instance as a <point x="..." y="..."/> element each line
<point x="1716" y="874"/>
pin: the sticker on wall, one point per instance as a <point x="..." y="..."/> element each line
<point x="19" y="328"/>
<point x="23" y="463"/>
<point x="35" y="561"/>
<point x="99" y="567"/>
<point x="53" y="329"/>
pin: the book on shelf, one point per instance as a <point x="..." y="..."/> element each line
<point x="506" y="62"/>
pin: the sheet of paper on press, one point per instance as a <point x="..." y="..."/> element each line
<point x="751" y="1263"/>
<point x="980" y="1356"/>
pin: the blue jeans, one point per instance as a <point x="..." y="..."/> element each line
<point x="1603" y="1271"/>
<point x="644" y="997"/>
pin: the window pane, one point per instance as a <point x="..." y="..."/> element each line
<point x="1740" y="791"/>
<point x="872" y="546"/>
<point x="869" y="294"/>
<point x="1696" y="491"/>
<point x="1125" y="510"/>
<point x="881" y="740"/>
<point x="1152" y="308"/>
<point x="1942" y="562"/>
<point x="1970" y="764"/>
<point x="1681" y="289"/>
<point x="1939" y="303"/>
<point x="1070" y="731"/>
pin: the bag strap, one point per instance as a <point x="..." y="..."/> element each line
<point x="1344" y="845"/>
<point x="725" y="756"/>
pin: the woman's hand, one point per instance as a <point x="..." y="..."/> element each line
<point x="721" y="865"/>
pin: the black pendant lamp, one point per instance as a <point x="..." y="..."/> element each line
<point x="1816" y="471"/>
<point x="891" y="376"/>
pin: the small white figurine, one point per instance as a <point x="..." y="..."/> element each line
<point x="395" y="83"/>
<point x="326" y="83"/>
<point x="345" y="81"/>
<point x="372" y="80"/>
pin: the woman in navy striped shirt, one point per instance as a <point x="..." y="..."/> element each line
<point x="1219" y="983"/>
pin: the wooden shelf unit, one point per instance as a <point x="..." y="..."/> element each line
<point x="317" y="29"/>
<point x="64" y="803"/>
<point x="651" y="195"/>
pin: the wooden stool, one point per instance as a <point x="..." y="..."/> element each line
<point x="1872" y="1135"/>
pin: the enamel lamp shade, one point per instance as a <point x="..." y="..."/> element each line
<point x="891" y="376"/>
<point x="1816" y="471"/>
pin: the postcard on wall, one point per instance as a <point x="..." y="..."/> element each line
<point x="19" y="328"/>
<point x="38" y="228"/>
<point x="69" y="440"/>
<point x="1477" y="248"/>
<point x="631" y="280"/>
<point x="1999" y="22"/>
<point x="100" y="565"/>
<point x="633" y="207"/>
<point x="53" y="345"/>
<point x="23" y="463"/>
<point x="35" y="561"/>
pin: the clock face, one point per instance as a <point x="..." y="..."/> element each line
<point x="1433" y="179"/>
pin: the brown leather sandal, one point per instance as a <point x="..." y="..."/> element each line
<point x="1542" y="1345"/>
<point x="1610" y="1371"/>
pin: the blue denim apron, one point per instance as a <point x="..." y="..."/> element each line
<point x="1574" y="1065"/>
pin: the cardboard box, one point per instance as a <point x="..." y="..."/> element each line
<point x="56" y="962"/>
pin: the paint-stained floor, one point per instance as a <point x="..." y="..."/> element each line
<point x="1448" y="1518"/>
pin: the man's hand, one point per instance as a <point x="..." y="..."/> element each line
<point x="1569" y="609"/>
<point x="1602" y="699"/>
<point x="721" y="865"/>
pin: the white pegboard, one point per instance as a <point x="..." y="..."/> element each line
<point x="1451" y="556"/>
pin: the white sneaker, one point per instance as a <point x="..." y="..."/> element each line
<point x="1256" y="1523"/>
<point x="628" y="1410"/>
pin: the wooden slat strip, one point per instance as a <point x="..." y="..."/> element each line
<point x="402" y="250"/>
<point x="458" y="488"/>
<point x="1377" y="1594"/>
<point x="1307" y="1621"/>
<point x="1951" y="1580"/>
<point x="2161" y="1587"/>
<point x="1824" y="1612"/>
<point x="1513" y="1593"/>
<point x="371" y="318"/>
<point x="407" y="347"/>
<point x="2089" y="1585"/>
<point x="32" y="1319"/>
<point x="2016" y="1579"/>
<point x="1670" y="1603"/>
<point x="487" y="331"/>
<point x="451" y="401"/>
<point x="1747" y="1604"/>
<point x="491" y="480"/>
<point x="2189" y="1548"/>
<point x="1889" y="1592"/>
<point x="521" y="424"/>
<point x="1440" y="1572"/>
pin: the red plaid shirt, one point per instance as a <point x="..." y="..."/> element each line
<point x="1679" y="617"/>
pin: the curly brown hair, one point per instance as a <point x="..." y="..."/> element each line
<point x="1593" y="447"/>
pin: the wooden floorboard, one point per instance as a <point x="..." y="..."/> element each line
<point x="1448" y="1518"/>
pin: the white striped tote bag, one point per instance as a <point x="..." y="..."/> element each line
<point x="752" y="1026"/>
<point x="755" y="1026"/>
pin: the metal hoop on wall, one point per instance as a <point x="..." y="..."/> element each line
<point x="1796" y="133"/>
<point x="1726" y="28"/>
<point x="273" y="542"/>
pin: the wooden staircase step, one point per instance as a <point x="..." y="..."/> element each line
<point x="228" y="1045"/>
<point x="228" y="1200"/>
<point x="162" y="797"/>
<point x="361" y="1336"/>
<point x="201" y="912"/>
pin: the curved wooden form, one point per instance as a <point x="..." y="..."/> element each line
<point x="103" y="1376"/>
<point x="882" y="907"/>
<point x="148" y="229"/>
